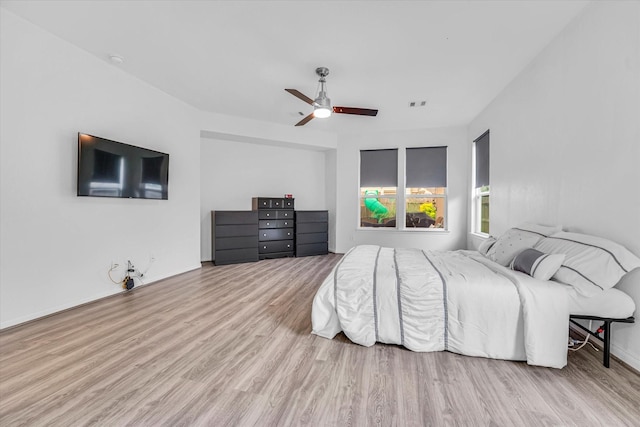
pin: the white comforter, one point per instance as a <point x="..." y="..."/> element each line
<point x="432" y="301"/>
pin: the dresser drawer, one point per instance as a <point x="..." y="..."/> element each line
<point x="287" y="203"/>
<point x="285" y="223"/>
<point x="312" y="227"/>
<point x="312" y="216"/>
<point x="275" y="234"/>
<point x="222" y="243"/>
<point x="285" y="214"/>
<point x="302" y="239"/>
<point x="268" y="203"/>
<point x="275" y="214"/>
<point x="275" y="246"/>
<point x="234" y="217"/>
<point x="267" y="214"/>
<point x="268" y="223"/>
<point x="278" y="223"/>
<point x="312" y="249"/>
<point x="235" y="230"/>
<point x="235" y="256"/>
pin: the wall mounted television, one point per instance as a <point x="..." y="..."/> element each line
<point x="112" y="169"/>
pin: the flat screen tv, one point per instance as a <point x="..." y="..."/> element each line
<point x="112" y="169"/>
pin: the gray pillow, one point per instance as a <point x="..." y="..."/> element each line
<point x="537" y="264"/>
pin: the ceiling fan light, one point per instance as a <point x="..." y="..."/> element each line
<point x="321" y="112"/>
<point x="322" y="107"/>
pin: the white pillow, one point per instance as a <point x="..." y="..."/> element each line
<point x="516" y="239"/>
<point x="486" y="244"/>
<point x="541" y="230"/>
<point x="537" y="264"/>
<point x="592" y="263"/>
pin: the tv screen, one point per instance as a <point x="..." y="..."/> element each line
<point x="112" y="169"/>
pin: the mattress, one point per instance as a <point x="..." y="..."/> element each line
<point x="612" y="303"/>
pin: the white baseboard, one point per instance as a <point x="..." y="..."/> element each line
<point x="628" y="358"/>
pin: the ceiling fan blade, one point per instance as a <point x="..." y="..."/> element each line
<point x="357" y="111"/>
<point x="305" y="120"/>
<point x="301" y="96"/>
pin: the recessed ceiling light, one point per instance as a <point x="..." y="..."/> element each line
<point x="116" y="59"/>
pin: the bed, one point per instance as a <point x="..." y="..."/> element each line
<point x="511" y="300"/>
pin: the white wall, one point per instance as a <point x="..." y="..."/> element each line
<point x="233" y="172"/>
<point x="331" y="190"/>
<point x="565" y="139"/>
<point x="56" y="247"/>
<point x="347" y="204"/>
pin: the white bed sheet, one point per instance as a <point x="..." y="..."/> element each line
<point x="612" y="303"/>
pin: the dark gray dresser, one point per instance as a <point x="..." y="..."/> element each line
<point x="312" y="231"/>
<point x="275" y="226"/>
<point x="234" y="236"/>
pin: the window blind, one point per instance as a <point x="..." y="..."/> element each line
<point x="482" y="160"/>
<point x="426" y="167"/>
<point x="379" y="168"/>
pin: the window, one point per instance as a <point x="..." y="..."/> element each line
<point x="480" y="212"/>
<point x="378" y="188"/>
<point x="421" y="200"/>
<point x="426" y="187"/>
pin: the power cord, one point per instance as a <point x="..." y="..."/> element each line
<point x="583" y="343"/>
<point x="151" y="261"/>
<point x="127" y="282"/>
<point x="132" y="273"/>
<point x="113" y="267"/>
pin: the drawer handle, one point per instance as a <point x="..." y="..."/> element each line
<point x="288" y="246"/>
<point x="288" y="234"/>
<point x="264" y="234"/>
<point x="264" y="247"/>
<point x="268" y="214"/>
<point x="268" y="223"/>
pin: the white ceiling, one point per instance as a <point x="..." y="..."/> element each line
<point x="237" y="57"/>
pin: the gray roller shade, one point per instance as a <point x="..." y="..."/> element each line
<point x="379" y="168"/>
<point x="482" y="160"/>
<point x="426" y="167"/>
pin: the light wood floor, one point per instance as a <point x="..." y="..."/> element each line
<point x="232" y="346"/>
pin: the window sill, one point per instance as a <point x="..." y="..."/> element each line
<point x="480" y="235"/>
<point x="405" y="230"/>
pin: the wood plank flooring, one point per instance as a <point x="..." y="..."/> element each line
<point x="231" y="346"/>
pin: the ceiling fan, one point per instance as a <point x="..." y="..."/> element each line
<point x="322" y="104"/>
